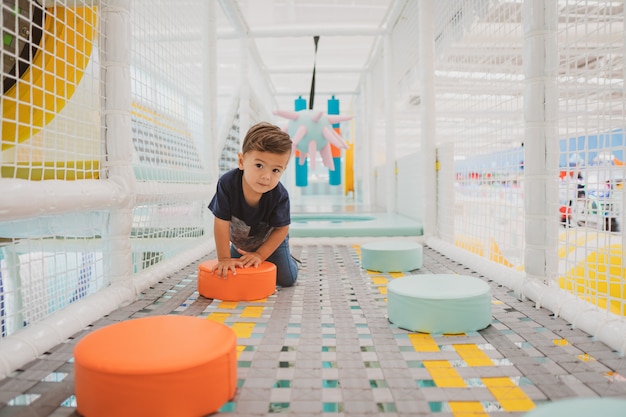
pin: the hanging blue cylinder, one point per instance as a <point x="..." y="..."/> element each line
<point x="334" y="176"/>
<point x="302" y="171"/>
<point x="299" y="104"/>
<point x="333" y="108"/>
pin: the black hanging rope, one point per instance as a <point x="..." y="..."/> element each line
<point x="312" y="95"/>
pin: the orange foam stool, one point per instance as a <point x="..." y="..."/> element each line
<point x="248" y="285"/>
<point x="158" y="366"/>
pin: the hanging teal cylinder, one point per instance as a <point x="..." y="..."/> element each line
<point x="302" y="171"/>
<point x="334" y="176"/>
<point x="299" y="104"/>
<point x="333" y="108"/>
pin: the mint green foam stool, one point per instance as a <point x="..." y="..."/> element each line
<point x="439" y="303"/>
<point x="581" y="407"/>
<point x="391" y="256"/>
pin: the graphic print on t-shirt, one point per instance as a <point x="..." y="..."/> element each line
<point x="246" y="237"/>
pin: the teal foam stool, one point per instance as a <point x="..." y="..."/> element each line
<point x="391" y="256"/>
<point x="439" y="303"/>
<point x="581" y="407"/>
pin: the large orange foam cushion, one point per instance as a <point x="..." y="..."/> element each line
<point x="156" y="366"/>
<point x="253" y="283"/>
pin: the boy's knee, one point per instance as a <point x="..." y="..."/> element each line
<point x="289" y="281"/>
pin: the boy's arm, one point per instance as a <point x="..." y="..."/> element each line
<point x="268" y="247"/>
<point x="221" y="232"/>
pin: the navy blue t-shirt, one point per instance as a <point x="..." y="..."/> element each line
<point x="249" y="226"/>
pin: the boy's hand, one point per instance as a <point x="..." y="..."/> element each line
<point x="250" y="258"/>
<point x="223" y="266"/>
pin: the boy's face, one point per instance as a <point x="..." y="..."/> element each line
<point x="262" y="170"/>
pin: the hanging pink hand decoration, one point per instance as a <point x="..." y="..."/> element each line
<point x="311" y="131"/>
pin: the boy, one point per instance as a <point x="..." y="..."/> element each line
<point x="251" y="207"/>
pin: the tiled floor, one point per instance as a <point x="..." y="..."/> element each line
<point x="326" y="348"/>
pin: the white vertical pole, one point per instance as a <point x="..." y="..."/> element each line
<point x="363" y="142"/>
<point x="366" y="141"/>
<point x="118" y="137"/>
<point x="445" y="193"/>
<point x="540" y="137"/>
<point x="390" y="128"/>
<point x="370" y="132"/>
<point x="231" y="9"/>
<point x="14" y="294"/>
<point x="244" y="92"/>
<point x="209" y="64"/>
<point x="426" y="54"/>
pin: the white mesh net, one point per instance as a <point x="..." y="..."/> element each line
<point x="484" y="109"/>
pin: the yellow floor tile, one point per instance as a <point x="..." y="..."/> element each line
<point x="467" y="409"/>
<point x="219" y="317"/>
<point x="228" y="304"/>
<point x="443" y="374"/>
<point x="511" y="397"/>
<point x="423" y="342"/>
<point x="252" y="311"/>
<point x="243" y="330"/>
<point x="472" y="355"/>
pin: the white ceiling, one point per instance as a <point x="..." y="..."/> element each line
<point x="282" y="31"/>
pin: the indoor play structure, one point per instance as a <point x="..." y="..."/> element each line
<point x="472" y="141"/>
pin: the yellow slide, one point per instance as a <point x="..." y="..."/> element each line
<point x="57" y="68"/>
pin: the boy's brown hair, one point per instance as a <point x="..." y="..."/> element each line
<point x="266" y="137"/>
